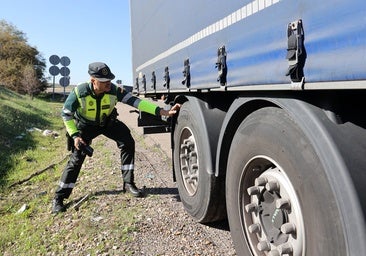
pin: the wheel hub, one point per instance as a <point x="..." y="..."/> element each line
<point x="189" y="161"/>
<point x="271" y="211"/>
<point x="272" y="218"/>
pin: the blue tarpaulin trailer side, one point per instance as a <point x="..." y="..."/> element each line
<point x="255" y="37"/>
<point x="272" y="126"/>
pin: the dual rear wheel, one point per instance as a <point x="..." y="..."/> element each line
<point x="278" y="197"/>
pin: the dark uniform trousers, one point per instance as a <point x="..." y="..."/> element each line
<point x="115" y="130"/>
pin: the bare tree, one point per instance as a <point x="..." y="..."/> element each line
<point x="29" y="81"/>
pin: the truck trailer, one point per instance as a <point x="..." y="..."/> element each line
<point x="271" y="133"/>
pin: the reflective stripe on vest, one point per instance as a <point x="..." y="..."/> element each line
<point x="88" y="106"/>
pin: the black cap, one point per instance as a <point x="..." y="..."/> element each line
<point x="100" y="71"/>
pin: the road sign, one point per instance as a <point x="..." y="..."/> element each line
<point x="64" y="71"/>
<point x="54" y="70"/>
<point x="65" y="61"/>
<point x="64" y="81"/>
<point x="54" y="59"/>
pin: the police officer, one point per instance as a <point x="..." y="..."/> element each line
<point x="89" y="111"/>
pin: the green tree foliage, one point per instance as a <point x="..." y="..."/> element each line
<point x="15" y="57"/>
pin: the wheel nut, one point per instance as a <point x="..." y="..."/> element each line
<point x="283" y="204"/>
<point x="190" y="144"/>
<point x="263" y="246"/>
<point x="183" y="147"/>
<point x="272" y="186"/>
<point x="274" y="253"/>
<point x="252" y="207"/>
<point x="185" y="141"/>
<point x="260" y="181"/>
<point x="254" y="228"/>
<point x="183" y="157"/>
<point x="285" y="249"/>
<point x="255" y="190"/>
<point x="288" y="228"/>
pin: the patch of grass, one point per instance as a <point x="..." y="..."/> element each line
<point x="22" y="153"/>
<point x="23" y="148"/>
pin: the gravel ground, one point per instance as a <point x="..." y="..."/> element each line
<point x="164" y="228"/>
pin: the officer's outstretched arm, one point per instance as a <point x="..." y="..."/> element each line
<point x="171" y="111"/>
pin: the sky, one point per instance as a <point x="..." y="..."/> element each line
<point x="85" y="31"/>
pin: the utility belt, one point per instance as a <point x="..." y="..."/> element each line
<point x="106" y="119"/>
<point x="80" y="123"/>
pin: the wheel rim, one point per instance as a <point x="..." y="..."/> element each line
<point x="189" y="161"/>
<point x="270" y="210"/>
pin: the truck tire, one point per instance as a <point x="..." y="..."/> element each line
<point x="201" y="193"/>
<point x="279" y="200"/>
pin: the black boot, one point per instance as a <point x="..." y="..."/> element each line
<point x="132" y="189"/>
<point x="58" y="205"/>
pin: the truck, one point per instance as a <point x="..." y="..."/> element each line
<point x="271" y="133"/>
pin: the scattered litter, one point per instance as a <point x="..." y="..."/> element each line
<point x="82" y="200"/>
<point x="22" y="209"/>
<point x="46" y="132"/>
<point x="150" y="176"/>
<point x="50" y="133"/>
<point x="33" y="129"/>
<point x="97" y="219"/>
<point x="19" y="137"/>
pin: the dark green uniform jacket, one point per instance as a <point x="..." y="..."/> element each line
<point x="82" y="104"/>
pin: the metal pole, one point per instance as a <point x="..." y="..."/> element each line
<point x="64" y="93"/>
<point x="53" y="92"/>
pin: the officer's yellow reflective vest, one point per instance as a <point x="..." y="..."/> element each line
<point x="82" y="104"/>
<point x="88" y="106"/>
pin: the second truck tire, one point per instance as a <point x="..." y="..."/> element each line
<point x="278" y="197"/>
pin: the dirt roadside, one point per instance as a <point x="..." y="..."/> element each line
<point x="165" y="228"/>
<point x="110" y="222"/>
